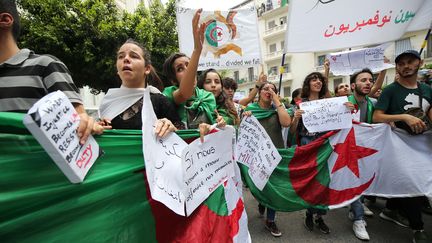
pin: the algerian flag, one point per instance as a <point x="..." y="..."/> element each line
<point x="113" y="204"/>
<point x="336" y="169"/>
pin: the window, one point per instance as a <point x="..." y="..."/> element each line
<point x="269" y="5"/>
<point x="337" y="81"/>
<point x="287" y="91"/>
<point x="402" y="45"/>
<point x="271" y="24"/>
<point x="286" y="68"/>
<point x="272" y="48"/>
<point x="283" y="20"/>
<point x="272" y="71"/>
<point x="236" y="76"/>
<point x="321" y="60"/>
<point x="251" y="74"/>
<point x="282" y="45"/>
<point x="429" y="47"/>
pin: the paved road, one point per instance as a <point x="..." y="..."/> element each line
<point x="293" y="230"/>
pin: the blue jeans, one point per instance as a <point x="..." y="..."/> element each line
<point x="271" y="214"/>
<point x="357" y="209"/>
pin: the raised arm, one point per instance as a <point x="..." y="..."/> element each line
<point x="262" y="79"/>
<point x="187" y="84"/>
<point x="380" y="80"/>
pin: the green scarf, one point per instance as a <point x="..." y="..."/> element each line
<point x="259" y="112"/>
<point x="225" y="114"/>
<point x="370" y="107"/>
<point x="201" y="101"/>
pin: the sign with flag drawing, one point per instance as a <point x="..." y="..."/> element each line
<point x="340" y="166"/>
<point x="230" y="37"/>
<point x="328" y="25"/>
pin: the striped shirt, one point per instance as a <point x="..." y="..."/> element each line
<point x="27" y="77"/>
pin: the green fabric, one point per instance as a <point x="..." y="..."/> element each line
<point x="201" y="101"/>
<point x="370" y="107"/>
<point x="259" y="112"/>
<point x="226" y="115"/>
<point x="396" y="99"/>
<point x="39" y="204"/>
<point x="279" y="193"/>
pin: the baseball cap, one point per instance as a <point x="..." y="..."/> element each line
<point x="408" y="52"/>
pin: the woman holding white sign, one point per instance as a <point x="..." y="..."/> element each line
<point x="272" y="115"/>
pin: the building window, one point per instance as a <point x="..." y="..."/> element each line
<point x="282" y="45"/>
<point x="283" y="20"/>
<point x="272" y="70"/>
<point x="272" y="48"/>
<point x="269" y="5"/>
<point x="236" y="76"/>
<point x="429" y="47"/>
<point x="286" y="68"/>
<point x="251" y="74"/>
<point x="321" y="60"/>
<point x="271" y="24"/>
<point x="402" y="45"/>
<point x="287" y="91"/>
<point x="337" y="81"/>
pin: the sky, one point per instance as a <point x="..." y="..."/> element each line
<point x="209" y="4"/>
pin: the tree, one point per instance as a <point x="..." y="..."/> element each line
<point x="85" y="35"/>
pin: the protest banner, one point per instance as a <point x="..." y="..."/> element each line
<point x="326" y="114"/>
<point x="255" y="150"/>
<point x="341" y="24"/>
<point x="230" y="38"/>
<point x="349" y="62"/>
<point x="163" y="161"/>
<point x="206" y="166"/>
<point x="53" y="121"/>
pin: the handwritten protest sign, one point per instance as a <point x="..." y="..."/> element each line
<point x="206" y="166"/>
<point x="349" y="62"/>
<point x="230" y="38"/>
<point x="163" y="163"/>
<point x="255" y="149"/>
<point x="53" y="122"/>
<point x="326" y="114"/>
<point x="342" y="24"/>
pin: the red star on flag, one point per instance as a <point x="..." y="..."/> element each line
<point x="349" y="154"/>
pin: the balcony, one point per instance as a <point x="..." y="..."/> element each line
<point x="274" y="56"/>
<point x="277" y="30"/>
<point x="274" y="78"/>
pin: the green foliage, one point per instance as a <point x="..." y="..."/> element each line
<point x="85" y="35"/>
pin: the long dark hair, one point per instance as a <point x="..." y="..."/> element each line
<point x="152" y="78"/>
<point x="305" y="93"/>
<point x="169" y="69"/>
<point x="222" y="99"/>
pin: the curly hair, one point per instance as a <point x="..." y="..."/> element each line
<point x="305" y="92"/>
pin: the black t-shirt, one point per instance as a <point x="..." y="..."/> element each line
<point x="131" y="117"/>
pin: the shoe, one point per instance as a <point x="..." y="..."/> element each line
<point x="322" y="226"/>
<point x="395" y="217"/>
<point x="351" y="217"/>
<point x="261" y="210"/>
<point x="308" y="223"/>
<point x="272" y="227"/>
<point x="359" y="228"/>
<point x="420" y="237"/>
<point x="367" y="211"/>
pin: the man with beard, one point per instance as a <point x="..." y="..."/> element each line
<point x="361" y="83"/>
<point x="395" y="99"/>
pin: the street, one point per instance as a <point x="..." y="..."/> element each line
<point x="293" y="230"/>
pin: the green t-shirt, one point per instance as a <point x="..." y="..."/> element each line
<point x="201" y="100"/>
<point x="396" y="99"/>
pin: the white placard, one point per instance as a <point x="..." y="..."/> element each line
<point x="206" y="166"/>
<point x="255" y="149"/>
<point x="349" y="62"/>
<point x="315" y="26"/>
<point x="53" y="122"/>
<point x="162" y="158"/>
<point x="326" y="114"/>
<point x="231" y="38"/>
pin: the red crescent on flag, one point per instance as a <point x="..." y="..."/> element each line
<point x="303" y="175"/>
